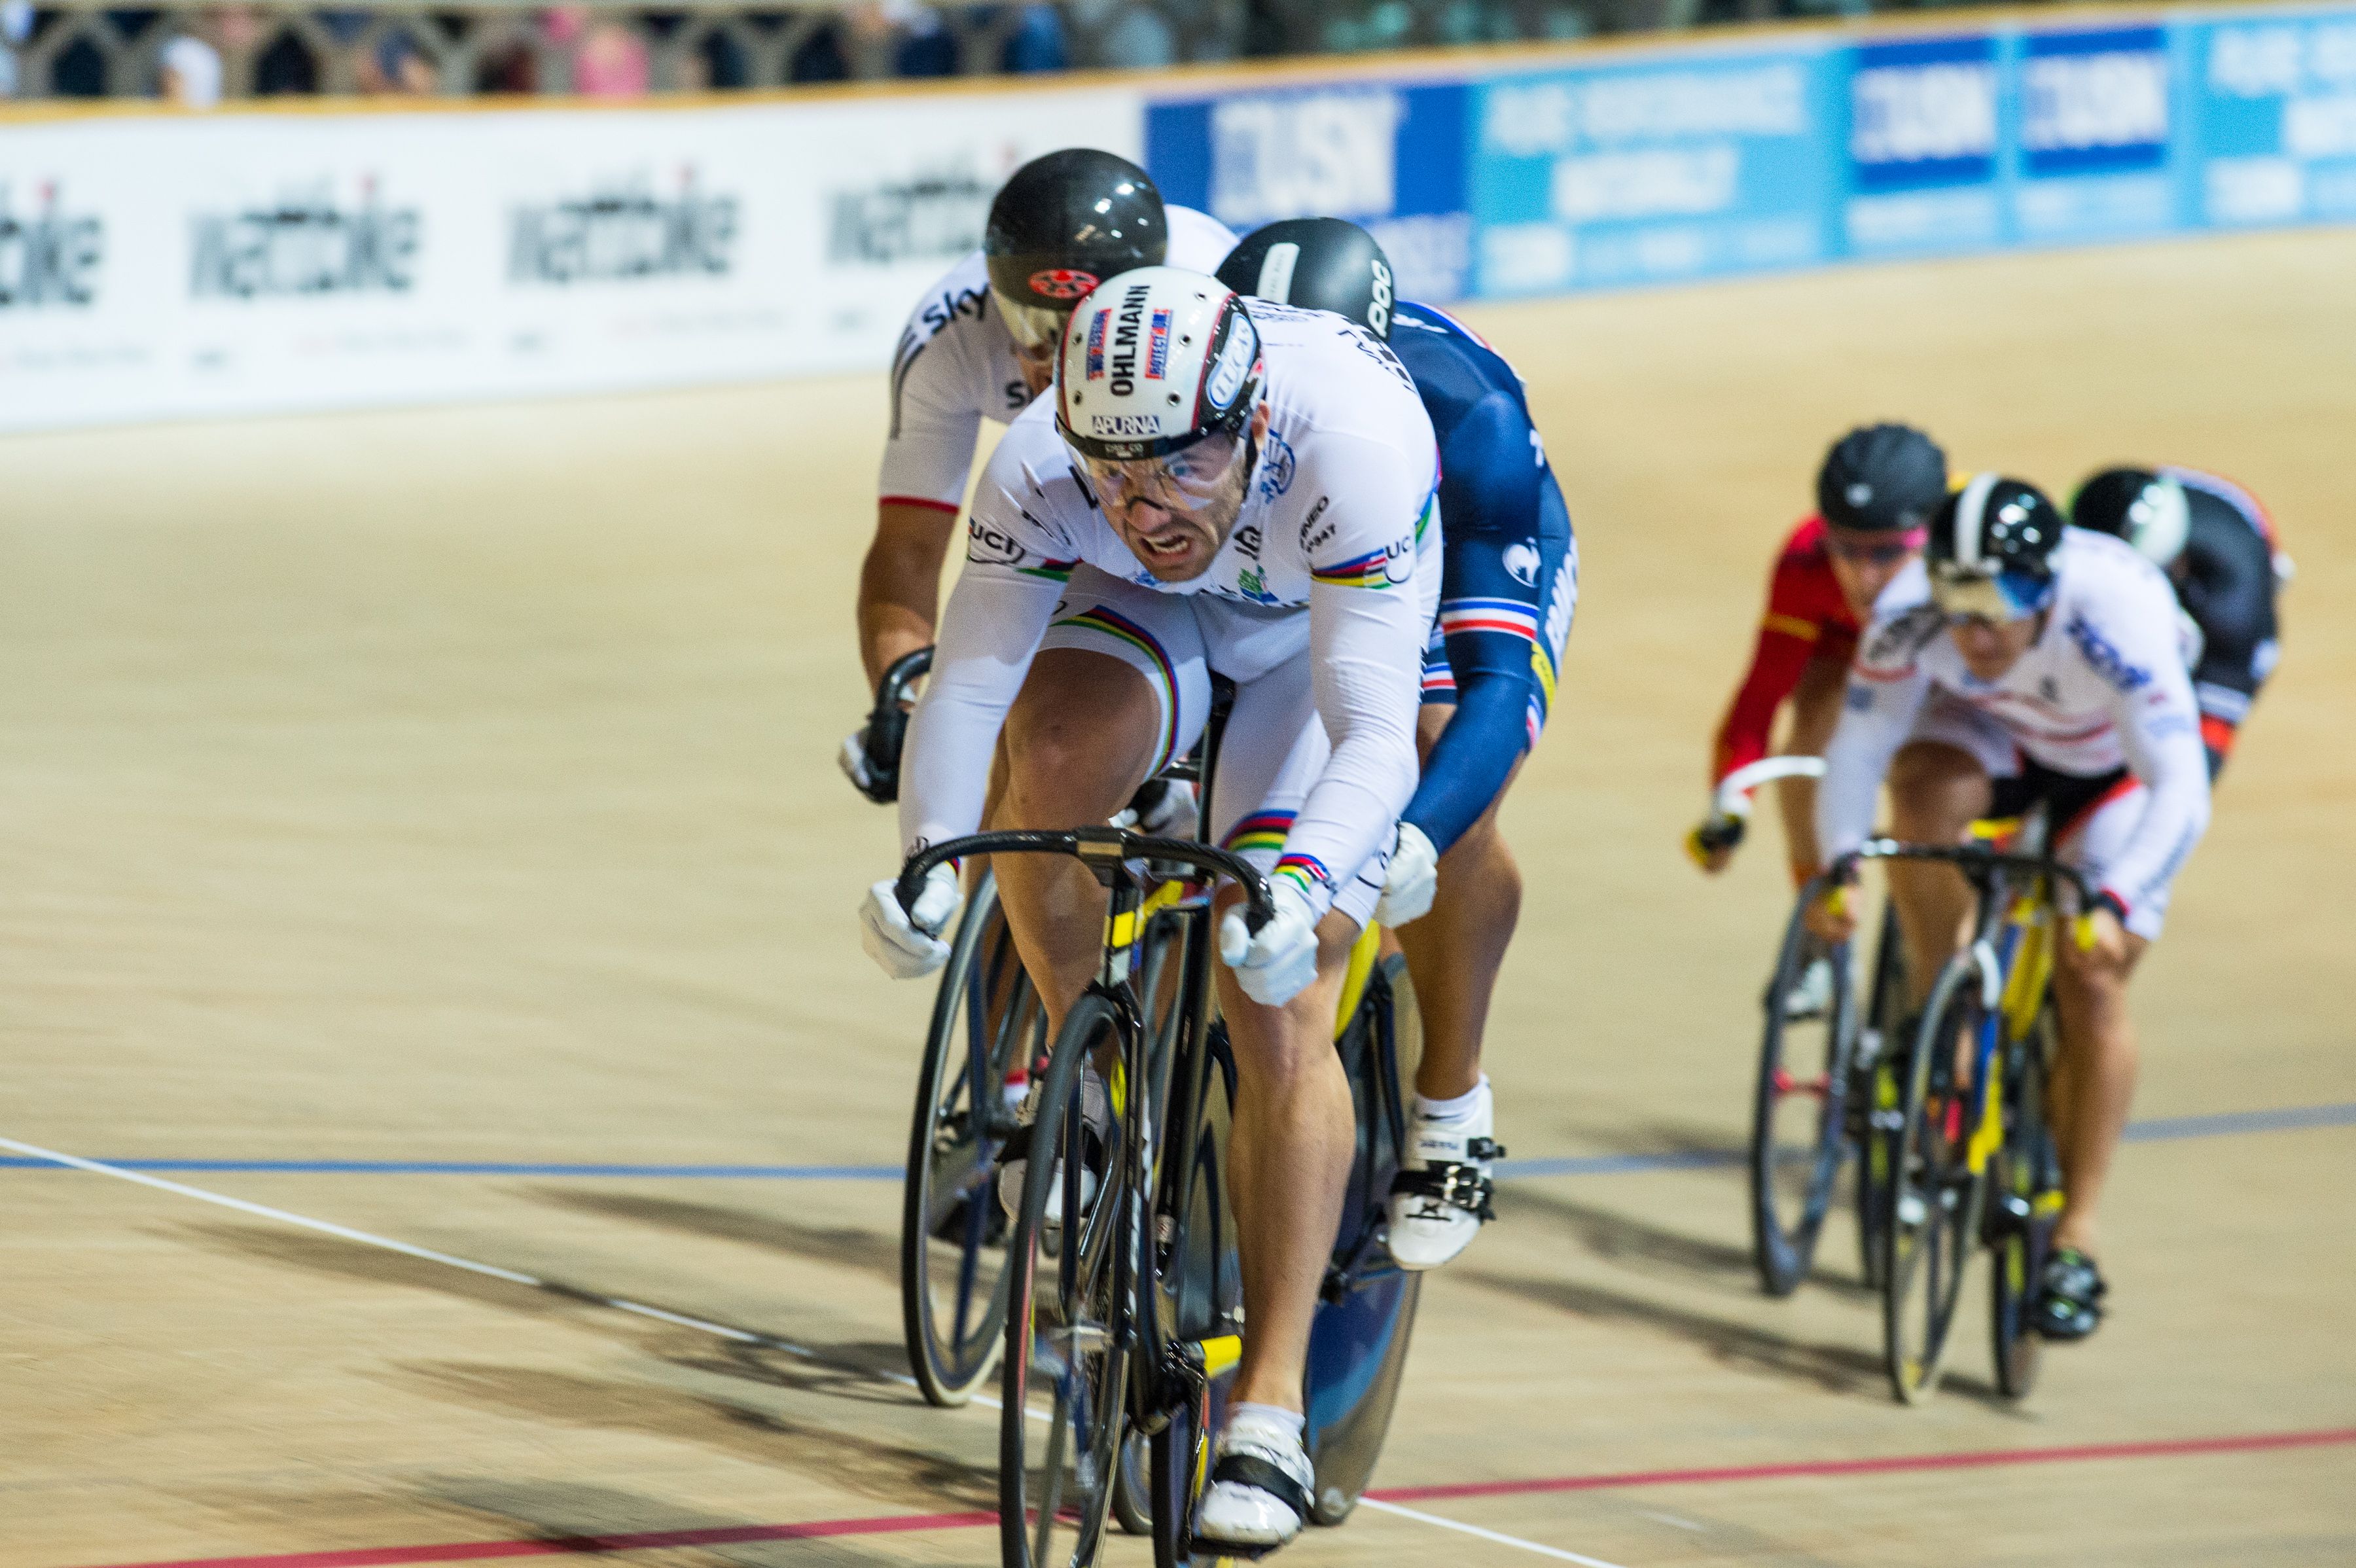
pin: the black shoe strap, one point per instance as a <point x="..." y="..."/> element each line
<point x="1250" y="1470"/>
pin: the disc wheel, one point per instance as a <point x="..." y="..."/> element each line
<point x="987" y="1024"/>
<point x="2027" y="1180"/>
<point x="1064" y="1382"/>
<point x="1358" y="1342"/>
<point x="1799" y="1126"/>
<point x="1934" y="1209"/>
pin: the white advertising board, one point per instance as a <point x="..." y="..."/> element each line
<point x="169" y="266"/>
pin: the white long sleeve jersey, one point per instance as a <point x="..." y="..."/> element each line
<point x="2104" y="686"/>
<point x="1340" y="516"/>
<point x="955" y="366"/>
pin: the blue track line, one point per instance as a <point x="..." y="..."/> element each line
<point x="2164" y="1129"/>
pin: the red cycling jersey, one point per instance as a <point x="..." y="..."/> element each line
<point x="1807" y="618"/>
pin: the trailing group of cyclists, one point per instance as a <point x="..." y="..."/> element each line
<point x="1247" y="466"/>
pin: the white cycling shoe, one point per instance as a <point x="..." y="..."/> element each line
<point x="1811" y="995"/>
<point x="1261" y="1484"/>
<point x="1095" y="1112"/>
<point x="1441" y="1197"/>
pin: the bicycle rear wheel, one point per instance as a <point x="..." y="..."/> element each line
<point x="1799" y="1126"/>
<point x="1934" y="1201"/>
<point x="1065" y="1376"/>
<point x="986" y="1024"/>
<point x="1358" y="1340"/>
<point x="2026" y="1179"/>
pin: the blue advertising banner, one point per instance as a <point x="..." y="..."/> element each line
<point x="1705" y="161"/>
<point x="1684" y="167"/>
<point x="2275" y="139"/>
<point x="1389" y="157"/>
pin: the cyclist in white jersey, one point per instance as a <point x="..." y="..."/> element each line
<point x="1210" y="490"/>
<point x="2059" y="652"/>
<point x="981" y="344"/>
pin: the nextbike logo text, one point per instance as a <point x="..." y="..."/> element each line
<point x="933" y="217"/>
<point x="49" y="256"/>
<point x="624" y="232"/>
<point x="1282" y="157"/>
<point x="311" y="245"/>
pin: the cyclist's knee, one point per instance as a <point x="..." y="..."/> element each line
<point x="1935" y="790"/>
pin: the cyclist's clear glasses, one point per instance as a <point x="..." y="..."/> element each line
<point x="1184" y="481"/>
<point x="1038" y="329"/>
<point x="1863" y="549"/>
<point x="1996" y="600"/>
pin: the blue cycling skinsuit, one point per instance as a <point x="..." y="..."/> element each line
<point x="1509" y="578"/>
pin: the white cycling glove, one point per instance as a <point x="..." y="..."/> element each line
<point x="1412" y="881"/>
<point x="1277" y="965"/>
<point x="907" y="944"/>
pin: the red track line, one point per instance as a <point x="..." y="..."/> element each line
<point x="724" y="1535"/>
<point x="1968" y="1460"/>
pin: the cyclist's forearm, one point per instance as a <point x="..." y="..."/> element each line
<point x="900" y="584"/>
<point x="1366" y="656"/>
<point x="1474" y="757"/>
<point x="1875" y="721"/>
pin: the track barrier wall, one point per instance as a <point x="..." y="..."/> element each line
<point x="156" y="264"/>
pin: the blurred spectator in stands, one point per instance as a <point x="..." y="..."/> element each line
<point x="397" y="65"/>
<point x="1136" y="38"/>
<point x="15" y="27"/>
<point x="1037" y="41"/>
<point x="609" y="60"/>
<point x="189" y="72"/>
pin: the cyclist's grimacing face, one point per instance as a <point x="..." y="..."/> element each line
<point x="1175" y="512"/>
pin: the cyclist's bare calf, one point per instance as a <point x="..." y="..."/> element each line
<point x="2094" y="1080"/>
<point x="1288" y="1162"/>
<point x="1455" y="951"/>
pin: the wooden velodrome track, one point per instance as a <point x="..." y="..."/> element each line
<point x="458" y="787"/>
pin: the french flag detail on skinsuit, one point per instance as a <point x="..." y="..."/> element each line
<point x="1513" y="618"/>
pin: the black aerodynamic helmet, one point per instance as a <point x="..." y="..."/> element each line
<point x="1063" y="225"/>
<point x="1318" y="264"/>
<point x="1880" y="479"/>
<point x="1991" y="549"/>
<point x="2148" y="509"/>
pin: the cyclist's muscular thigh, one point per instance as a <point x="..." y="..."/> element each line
<point x="1079" y="740"/>
<point x="1935" y="792"/>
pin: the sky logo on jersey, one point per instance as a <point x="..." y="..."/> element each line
<point x="1097" y="344"/>
<point x="1157" y="346"/>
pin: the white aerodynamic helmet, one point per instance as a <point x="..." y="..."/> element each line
<point x="1155" y="360"/>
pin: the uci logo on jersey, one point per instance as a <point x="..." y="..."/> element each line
<point x="1097" y="344"/>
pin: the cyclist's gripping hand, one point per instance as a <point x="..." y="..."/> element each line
<point x="906" y="943"/>
<point x="1413" y="879"/>
<point x="879" y="785"/>
<point x="1278" y="964"/>
<point x="1832" y="919"/>
<point x="1712" y="844"/>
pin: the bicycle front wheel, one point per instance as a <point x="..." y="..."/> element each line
<point x="987" y="1024"/>
<point x="1072" y="1253"/>
<point x="1933" y="1217"/>
<point x="1799" y="1129"/>
<point x="1874" y="1091"/>
<point x="2026" y="1184"/>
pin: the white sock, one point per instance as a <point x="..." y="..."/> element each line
<point x="1457" y="1109"/>
<point x="1293" y="1423"/>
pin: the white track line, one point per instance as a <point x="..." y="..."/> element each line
<point x="1502" y="1539"/>
<point x="620" y="1304"/>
